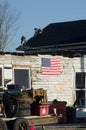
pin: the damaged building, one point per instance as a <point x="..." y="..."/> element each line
<point x="55" y="60"/>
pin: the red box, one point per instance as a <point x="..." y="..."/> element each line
<point x="40" y="110"/>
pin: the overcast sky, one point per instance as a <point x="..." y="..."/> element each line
<point x="40" y="13"/>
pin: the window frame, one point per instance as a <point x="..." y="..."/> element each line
<point x="83" y="89"/>
<point x="23" y="68"/>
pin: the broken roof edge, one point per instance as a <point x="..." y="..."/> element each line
<point x="30" y="43"/>
<point x="26" y="48"/>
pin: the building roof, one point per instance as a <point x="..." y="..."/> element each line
<point x="68" y="35"/>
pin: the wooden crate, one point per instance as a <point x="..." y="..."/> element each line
<point x="40" y="95"/>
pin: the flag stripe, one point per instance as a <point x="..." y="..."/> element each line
<point x="51" y="69"/>
<point x="50" y="73"/>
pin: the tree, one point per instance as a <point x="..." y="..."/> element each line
<point x="8" y="24"/>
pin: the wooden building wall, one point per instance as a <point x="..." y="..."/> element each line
<point x="61" y="87"/>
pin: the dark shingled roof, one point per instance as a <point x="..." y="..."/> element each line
<point x="60" y="33"/>
<point x="62" y="36"/>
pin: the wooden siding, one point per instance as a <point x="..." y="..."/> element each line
<point x="60" y="87"/>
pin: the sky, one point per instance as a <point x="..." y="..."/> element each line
<point x="40" y="13"/>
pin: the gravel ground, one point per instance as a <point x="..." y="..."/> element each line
<point x="62" y="127"/>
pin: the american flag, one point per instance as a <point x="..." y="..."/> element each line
<point x="51" y="66"/>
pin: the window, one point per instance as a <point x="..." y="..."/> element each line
<point x="80" y="80"/>
<point x="22" y="77"/>
<point x="0" y="76"/>
<point x="7" y="75"/>
<point x="80" y="98"/>
<point x="80" y="89"/>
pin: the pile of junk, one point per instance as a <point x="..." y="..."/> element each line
<point x="18" y="101"/>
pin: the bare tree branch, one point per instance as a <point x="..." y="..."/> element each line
<point x="8" y="24"/>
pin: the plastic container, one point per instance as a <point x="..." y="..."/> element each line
<point x="71" y="115"/>
<point x="40" y="110"/>
<point x="60" y="109"/>
<point x="31" y="127"/>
